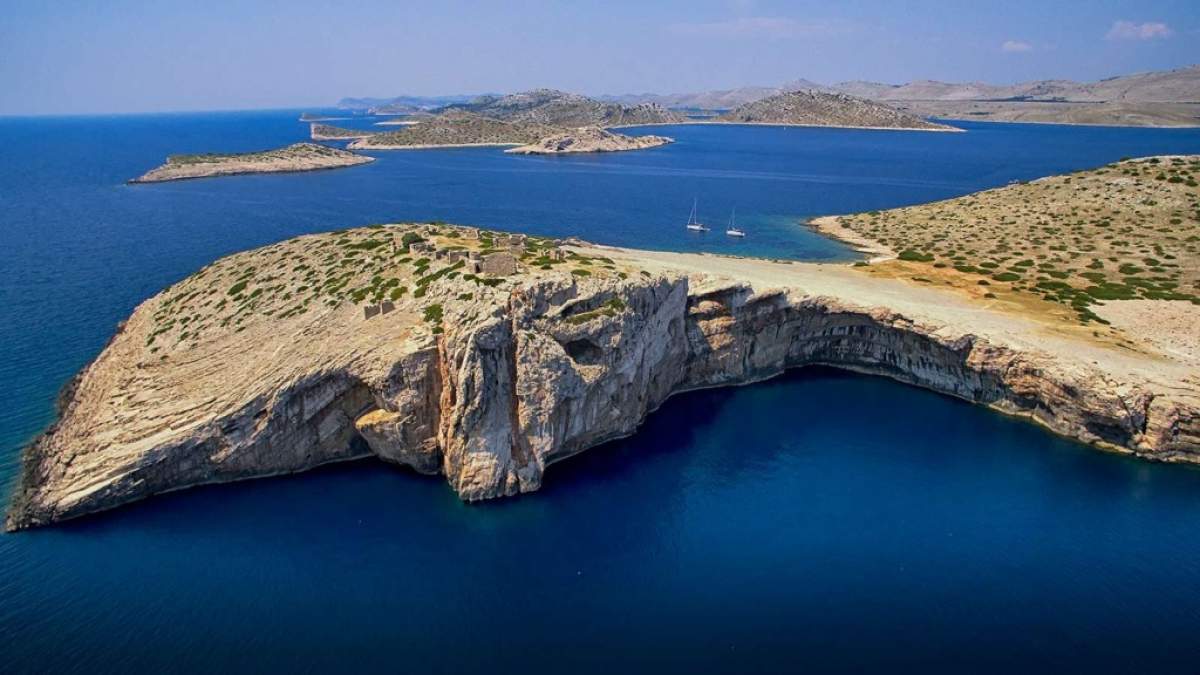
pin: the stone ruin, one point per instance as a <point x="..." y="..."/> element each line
<point x="371" y="311"/>
<point x="498" y="264"/>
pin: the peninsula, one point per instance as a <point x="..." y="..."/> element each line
<point x="486" y="357"/>
<point x="296" y="157"/>
<point x="589" y="139"/>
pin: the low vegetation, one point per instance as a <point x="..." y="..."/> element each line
<point x="1128" y="230"/>
<point x="316" y="274"/>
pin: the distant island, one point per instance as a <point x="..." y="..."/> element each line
<point x="325" y="132"/>
<point x="312" y="117"/>
<point x="559" y="108"/>
<point x="547" y="121"/>
<point x="820" y="109"/>
<point x="455" y="128"/>
<point x="589" y="139"/>
<point x="296" y="157"/>
<point x="1070" y="301"/>
<point x="1161" y="98"/>
<point x="538" y="120"/>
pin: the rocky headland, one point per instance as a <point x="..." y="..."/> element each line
<point x="296" y="157"/>
<point x="485" y="358"/>
<point x="589" y="139"/>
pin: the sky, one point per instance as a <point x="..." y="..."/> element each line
<point x="83" y="56"/>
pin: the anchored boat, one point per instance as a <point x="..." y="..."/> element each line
<point x="693" y="224"/>
<point x="733" y="230"/>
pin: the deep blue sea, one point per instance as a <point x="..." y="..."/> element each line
<point x="880" y="527"/>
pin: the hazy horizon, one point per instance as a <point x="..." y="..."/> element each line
<point x="86" y="57"/>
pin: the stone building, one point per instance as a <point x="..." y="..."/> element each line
<point x="499" y="264"/>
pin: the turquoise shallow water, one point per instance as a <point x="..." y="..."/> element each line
<point x="880" y="526"/>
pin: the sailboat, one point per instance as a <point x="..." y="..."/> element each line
<point x="733" y="229"/>
<point x="693" y="224"/>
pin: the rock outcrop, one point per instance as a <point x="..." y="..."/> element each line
<point x="505" y="378"/>
<point x="589" y="139"/>
<point x="293" y="158"/>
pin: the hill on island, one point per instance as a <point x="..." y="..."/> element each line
<point x="457" y="127"/>
<point x="562" y="109"/>
<point x="816" y="108"/>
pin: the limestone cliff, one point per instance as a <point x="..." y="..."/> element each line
<point x="489" y="381"/>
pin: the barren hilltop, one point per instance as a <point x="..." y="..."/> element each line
<point x="485" y="357"/>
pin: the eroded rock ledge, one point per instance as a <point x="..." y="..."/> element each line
<point x="522" y="373"/>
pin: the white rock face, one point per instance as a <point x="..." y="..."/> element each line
<point x="522" y="376"/>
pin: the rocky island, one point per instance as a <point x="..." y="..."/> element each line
<point x="562" y="109"/>
<point x="589" y="139"/>
<point x="486" y="357"/>
<point x="326" y="132"/>
<point x="296" y="157"/>
<point x="1169" y="98"/>
<point x="822" y="109"/>
<point x="455" y="128"/>
<point x="522" y="119"/>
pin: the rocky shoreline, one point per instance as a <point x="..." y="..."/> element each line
<point x="489" y="379"/>
<point x="589" y="139"/>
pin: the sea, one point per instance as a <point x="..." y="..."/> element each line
<point x="818" y="522"/>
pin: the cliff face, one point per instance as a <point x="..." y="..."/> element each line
<point x="525" y="375"/>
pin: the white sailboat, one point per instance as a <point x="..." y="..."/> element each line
<point x="733" y="229"/>
<point x="693" y="224"/>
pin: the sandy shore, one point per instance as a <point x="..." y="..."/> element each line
<point x="829" y="226"/>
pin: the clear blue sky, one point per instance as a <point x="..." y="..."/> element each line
<point x="79" y="56"/>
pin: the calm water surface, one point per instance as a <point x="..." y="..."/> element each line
<point x="882" y="526"/>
